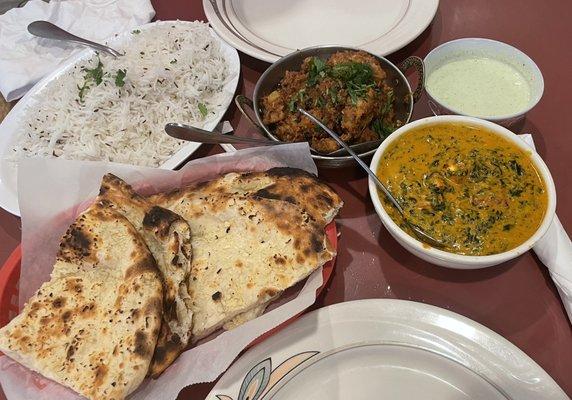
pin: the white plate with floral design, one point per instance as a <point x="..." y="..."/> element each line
<point x="383" y="348"/>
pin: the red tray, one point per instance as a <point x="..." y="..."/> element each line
<point x="9" y="279"/>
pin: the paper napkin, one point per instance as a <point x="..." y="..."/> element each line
<point x="25" y="59"/>
<point x="555" y="251"/>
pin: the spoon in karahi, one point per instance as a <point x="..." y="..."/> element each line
<point x="190" y="133"/>
<point x="193" y="134"/>
<point x="421" y="234"/>
<point x="47" y="30"/>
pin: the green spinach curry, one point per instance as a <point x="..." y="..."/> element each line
<point x="469" y="187"/>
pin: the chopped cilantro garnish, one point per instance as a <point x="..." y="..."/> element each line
<point x="383" y="130"/>
<point x="92" y="75"/>
<point x="82" y="90"/>
<point x="95" y="74"/>
<point x="203" y="110"/>
<point x="136" y="32"/>
<point x="317" y="70"/>
<point x="120" y="77"/>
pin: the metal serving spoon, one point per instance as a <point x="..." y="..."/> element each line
<point x="187" y="132"/>
<point x="421" y="234"/>
<point x="47" y="30"/>
<point x="190" y="133"/>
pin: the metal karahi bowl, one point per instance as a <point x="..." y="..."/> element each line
<point x="405" y="97"/>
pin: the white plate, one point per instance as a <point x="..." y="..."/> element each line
<point x="390" y="349"/>
<point x="9" y="126"/>
<point x="270" y="29"/>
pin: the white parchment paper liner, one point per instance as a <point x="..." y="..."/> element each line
<point x="53" y="192"/>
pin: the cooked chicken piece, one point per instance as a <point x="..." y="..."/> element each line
<point x="274" y="108"/>
<point x="324" y="145"/>
<point x="356" y="117"/>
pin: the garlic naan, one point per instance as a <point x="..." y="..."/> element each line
<point x="168" y="237"/>
<point x="252" y="239"/>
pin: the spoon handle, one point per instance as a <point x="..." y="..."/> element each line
<point x="190" y="133"/>
<point x="47" y="30"/>
<point x="355" y="156"/>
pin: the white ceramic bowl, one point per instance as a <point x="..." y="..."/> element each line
<point x="462" y="48"/>
<point x="443" y="258"/>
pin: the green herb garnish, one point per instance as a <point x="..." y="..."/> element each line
<point x="95" y="74"/>
<point x="136" y="32"/>
<point x="358" y="78"/>
<point x="82" y="90"/>
<point x="91" y="75"/>
<point x="383" y="130"/>
<point x="388" y="103"/>
<point x="203" y="110"/>
<point x="332" y="92"/>
<point x="358" y="73"/>
<point x="297" y="99"/>
<point x="174" y="61"/>
<point x="120" y="77"/>
<point x="317" y="70"/>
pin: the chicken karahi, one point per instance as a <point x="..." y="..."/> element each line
<point x="348" y="93"/>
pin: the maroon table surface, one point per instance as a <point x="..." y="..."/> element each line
<point x="518" y="299"/>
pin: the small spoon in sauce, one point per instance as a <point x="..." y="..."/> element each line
<point x="421" y="234"/>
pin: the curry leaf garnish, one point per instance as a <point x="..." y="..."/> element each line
<point x="120" y="77"/>
<point x="203" y="110"/>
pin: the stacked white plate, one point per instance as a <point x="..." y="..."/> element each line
<point x="270" y="29"/>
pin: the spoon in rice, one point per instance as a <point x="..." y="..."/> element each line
<point x="47" y="30"/>
<point x="421" y="234"/>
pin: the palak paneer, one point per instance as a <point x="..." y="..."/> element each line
<point x="467" y="186"/>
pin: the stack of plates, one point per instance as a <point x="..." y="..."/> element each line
<point x="270" y="29"/>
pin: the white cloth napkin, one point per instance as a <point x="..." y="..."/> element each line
<point x="555" y="251"/>
<point x="25" y="59"/>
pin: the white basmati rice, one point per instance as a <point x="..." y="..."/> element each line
<point x="170" y="70"/>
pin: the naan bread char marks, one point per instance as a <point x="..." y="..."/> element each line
<point x="94" y="325"/>
<point x="248" y="248"/>
<point x="168" y="237"/>
<point x="292" y="185"/>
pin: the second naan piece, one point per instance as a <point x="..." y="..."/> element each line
<point x="168" y="236"/>
<point x="247" y="248"/>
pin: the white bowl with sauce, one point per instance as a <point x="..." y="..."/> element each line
<point x="482" y="78"/>
<point x="449" y="259"/>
